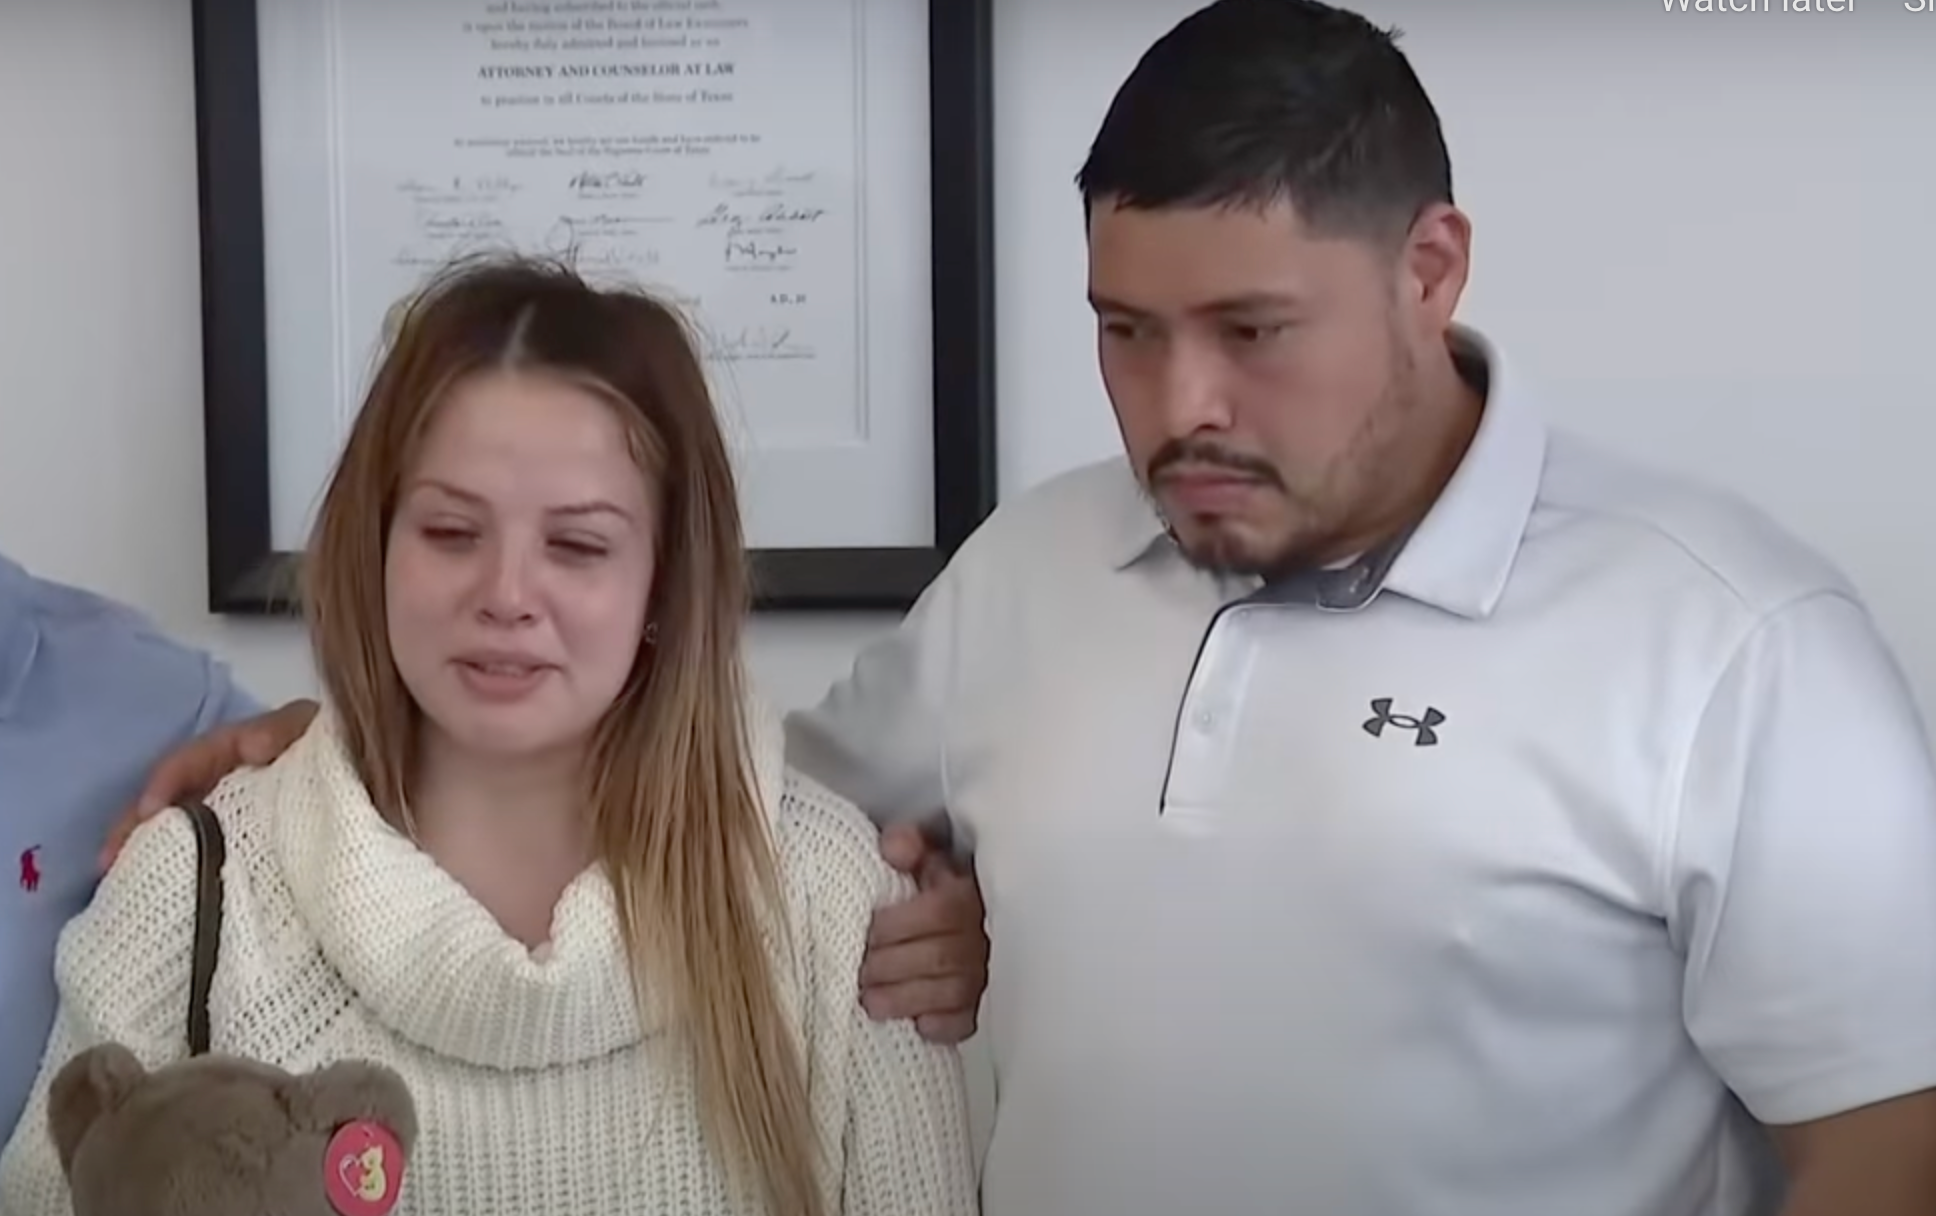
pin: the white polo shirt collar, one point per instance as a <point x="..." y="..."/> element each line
<point x="1460" y="555"/>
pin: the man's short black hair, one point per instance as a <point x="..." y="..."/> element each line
<point x="1264" y="101"/>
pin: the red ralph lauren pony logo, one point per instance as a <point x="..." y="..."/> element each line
<point x="30" y="869"/>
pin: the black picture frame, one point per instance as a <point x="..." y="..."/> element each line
<point x="248" y="576"/>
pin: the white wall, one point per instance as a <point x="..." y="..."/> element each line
<point x="1707" y="235"/>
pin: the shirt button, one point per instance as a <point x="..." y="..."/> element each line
<point x="1206" y="720"/>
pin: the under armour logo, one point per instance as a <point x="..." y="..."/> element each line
<point x="30" y="869"/>
<point x="1421" y="727"/>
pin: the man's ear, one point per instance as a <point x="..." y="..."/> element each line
<point x="354" y="1090"/>
<point x="90" y="1085"/>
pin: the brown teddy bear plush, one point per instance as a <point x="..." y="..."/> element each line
<point x="219" y="1136"/>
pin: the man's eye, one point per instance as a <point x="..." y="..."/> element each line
<point x="1252" y="334"/>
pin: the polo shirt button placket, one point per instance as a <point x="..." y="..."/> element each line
<point x="1200" y="761"/>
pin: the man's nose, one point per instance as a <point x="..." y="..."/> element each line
<point x="1193" y="392"/>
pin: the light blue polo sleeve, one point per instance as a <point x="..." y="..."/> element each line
<point x="95" y="697"/>
<point x="226" y="702"/>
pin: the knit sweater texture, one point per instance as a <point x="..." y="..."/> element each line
<point x="542" y="1088"/>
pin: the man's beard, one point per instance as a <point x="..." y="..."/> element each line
<point x="1226" y="555"/>
<point x="1216" y="549"/>
<point x="1321" y="509"/>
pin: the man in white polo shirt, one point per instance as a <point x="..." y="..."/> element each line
<point x="1384" y="805"/>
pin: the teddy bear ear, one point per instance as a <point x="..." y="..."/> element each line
<point x="354" y="1091"/>
<point x="90" y="1085"/>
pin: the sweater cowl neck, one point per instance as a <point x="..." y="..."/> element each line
<point x="424" y="956"/>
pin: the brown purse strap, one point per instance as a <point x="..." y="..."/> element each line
<point x="211" y="850"/>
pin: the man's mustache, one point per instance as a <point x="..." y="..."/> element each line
<point x="1197" y="454"/>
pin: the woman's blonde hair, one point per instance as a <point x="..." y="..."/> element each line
<point x="675" y="808"/>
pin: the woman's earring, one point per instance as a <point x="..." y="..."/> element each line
<point x="651" y="633"/>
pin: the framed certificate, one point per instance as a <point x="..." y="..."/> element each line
<point x="810" y="181"/>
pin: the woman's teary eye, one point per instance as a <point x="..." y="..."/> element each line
<point x="579" y="548"/>
<point x="447" y="535"/>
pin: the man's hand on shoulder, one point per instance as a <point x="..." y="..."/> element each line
<point x="199" y="765"/>
<point x="927" y="957"/>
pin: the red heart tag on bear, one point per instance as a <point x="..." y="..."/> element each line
<point x="363" y="1169"/>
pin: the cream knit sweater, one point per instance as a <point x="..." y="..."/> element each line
<point x="539" y="1091"/>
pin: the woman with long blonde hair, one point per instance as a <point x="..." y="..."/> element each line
<point x="540" y="852"/>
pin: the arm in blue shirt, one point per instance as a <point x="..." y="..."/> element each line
<point x="92" y="696"/>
